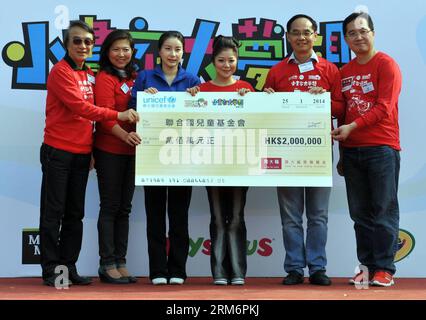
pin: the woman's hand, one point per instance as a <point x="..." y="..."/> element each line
<point x="132" y="139"/>
<point x="151" y="90"/>
<point x="193" y="91"/>
<point x="129" y="115"/>
<point x="243" y="91"/>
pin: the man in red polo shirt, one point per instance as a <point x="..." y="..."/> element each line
<point x="305" y="71"/>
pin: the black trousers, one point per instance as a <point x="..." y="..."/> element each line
<point x="174" y="200"/>
<point x="63" y="192"/>
<point x="228" y="232"/>
<point x="116" y="182"/>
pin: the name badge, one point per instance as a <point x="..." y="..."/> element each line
<point x="91" y="78"/>
<point x="125" y="88"/>
<point x="347" y="84"/>
<point x="367" y="87"/>
<point x="305" y="67"/>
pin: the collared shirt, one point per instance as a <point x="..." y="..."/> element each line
<point x="69" y="108"/>
<point x="287" y="77"/>
<point x="293" y="59"/>
<point x="72" y="64"/>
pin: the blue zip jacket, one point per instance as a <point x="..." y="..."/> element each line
<point x="156" y="79"/>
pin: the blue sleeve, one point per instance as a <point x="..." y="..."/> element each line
<point x="138" y="86"/>
<point x="195" y="81"/>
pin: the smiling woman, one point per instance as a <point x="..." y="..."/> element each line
<point x="114" y="155"/>
<point x="163" y="267"/>
<point x="228" y="232"/>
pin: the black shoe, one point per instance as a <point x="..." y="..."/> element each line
<point x="52" y="282"/>
<point x="320" y="278"/>
<point x="125" y="274"/>
<point x="106" y="278"/>
<point x="132" y="279"/>
<point x="78" y="280"/>
<point x="293" y="277"/>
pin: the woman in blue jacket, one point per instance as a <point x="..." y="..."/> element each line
<point x="168" y="76"/>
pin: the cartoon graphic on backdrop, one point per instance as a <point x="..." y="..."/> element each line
<point x="262" y="46"/>
<point x="406" y="243"/>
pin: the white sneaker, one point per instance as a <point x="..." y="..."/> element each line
<point x="159" y="281"/>
<point x="176" y="281"/>
<point x="237" y="281"/>
<point x="220" y="282"/>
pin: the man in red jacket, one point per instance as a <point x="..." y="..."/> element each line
<point x="65" y="157"/>
<point x="371" y="84"/>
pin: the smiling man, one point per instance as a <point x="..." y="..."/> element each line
<point x="305" y="71"/>
<point x="371" y="84"/>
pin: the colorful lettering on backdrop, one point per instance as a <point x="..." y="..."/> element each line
<point x="262" y="46"/>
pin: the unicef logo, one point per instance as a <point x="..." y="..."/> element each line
<point x="406" y="243"/>
<point x="171" y="99"/>
<point x="202" y="102"/>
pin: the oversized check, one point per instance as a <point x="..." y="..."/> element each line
<point x="224" y="139"/>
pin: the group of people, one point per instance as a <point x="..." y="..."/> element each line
<point x="364" y="95"/>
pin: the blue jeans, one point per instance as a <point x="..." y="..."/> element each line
<point x="371" y="175"/>
<point x="292" y="202"/>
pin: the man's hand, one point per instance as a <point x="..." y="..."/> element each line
<point x="317" y="90"/>
<point x="343" y="132"/>
<point x="268" y="90"/>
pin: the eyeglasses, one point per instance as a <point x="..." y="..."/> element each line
<point x="78" y="41"/>
<point x="297" y="34"/>
<point x="354" y="34"/>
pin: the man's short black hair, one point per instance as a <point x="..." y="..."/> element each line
<point x="355" y="15"/>
<point x="298" y="16"/>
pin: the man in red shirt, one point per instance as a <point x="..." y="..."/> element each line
<point x="305" y="71"/>
<point x="371" y="84"/>
<point x="65" y="157"/>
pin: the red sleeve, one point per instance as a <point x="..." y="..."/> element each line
<point x="105" y="97"/>
<point x="337" y="100"/>
<point x="62" y="84"/>
<point x="270" y="79"/>
<point x="250" y="87"/>
<point x="247" y="85"/>
<point x="388" y="89"/>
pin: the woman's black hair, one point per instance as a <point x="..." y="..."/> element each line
<point x="221" y="42"/>
<point x="171" y="34"/>
<point x="104" y="62"/>
<point x="79" y="24"/>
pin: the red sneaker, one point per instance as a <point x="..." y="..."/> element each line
<point x="382" y="279"/>
<point x="359" y="278"/>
